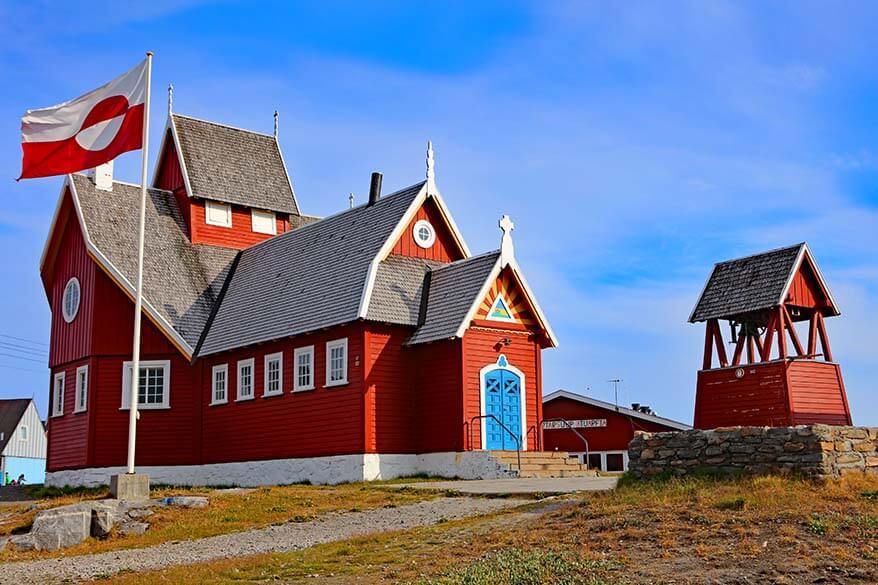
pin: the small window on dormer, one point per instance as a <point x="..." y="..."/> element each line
<point x="264" y="222"/>
<point x="218" y="214"/>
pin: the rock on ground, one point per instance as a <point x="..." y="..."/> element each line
<point x="286" y="537"/>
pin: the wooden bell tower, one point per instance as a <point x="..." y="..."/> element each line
<point x="767" y="376"/>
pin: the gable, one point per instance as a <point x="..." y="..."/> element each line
<point x="506" y="303"/>
<point x="445" y="248"/>
<point x="806" y="290"/>
<point x="35" y="445"/>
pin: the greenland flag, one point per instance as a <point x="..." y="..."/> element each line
<point x="85" y="132"/>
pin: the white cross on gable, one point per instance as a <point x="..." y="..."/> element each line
<point x="506" y="251"/>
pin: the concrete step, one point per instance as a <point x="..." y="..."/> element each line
<point x="547" y="467"/>
<point x="540" y="460"/>
<point x="562" y="473"/>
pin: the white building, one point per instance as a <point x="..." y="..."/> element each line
<point x="22" y="441"/>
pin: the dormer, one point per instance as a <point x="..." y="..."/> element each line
<point x="231" y="184"/>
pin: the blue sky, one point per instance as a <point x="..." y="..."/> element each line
<point x="634" y="144"/>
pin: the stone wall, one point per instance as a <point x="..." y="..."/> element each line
<point x="813" y="450"/>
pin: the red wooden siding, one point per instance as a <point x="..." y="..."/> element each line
<point x="817" y="393"/>
<point x="805" y="289"/>
<point x="614" y="437"/>
<point x="438" y="382"/>
<point x="170" y="178"/>
<point x="239" y="236"/>
<point x="444" y="249"/>
<point x="68" y="434"/>
<point x="319" y="422"/>
<point x="69" y="341"/>
<point x="391" y="396"/>
<point x="757" y="399"/>
<point x="482" y="347"/>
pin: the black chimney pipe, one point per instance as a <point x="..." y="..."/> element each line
<point x="375" y="188"/>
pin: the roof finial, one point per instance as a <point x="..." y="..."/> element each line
<point x="431" y="173"/>
<point x="170" y="98"/>
<point x="507" y="254"/>
<point x="351" y="201"/>
<point x="275" y="123"/>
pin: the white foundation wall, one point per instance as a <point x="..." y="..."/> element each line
<point x="316" y="470"/>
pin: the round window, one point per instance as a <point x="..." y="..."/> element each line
<point x="70" y="300"/>
<point x="424" y="233"/>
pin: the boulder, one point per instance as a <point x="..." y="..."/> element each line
<point x="185" y="501"/>
<point x="22" y="542"/>
<point x="133" y="528"/>
<point x="104" y="516"/>
<point x="61" y="527"/>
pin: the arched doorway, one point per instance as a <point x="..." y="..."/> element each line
<point x="502" y="397"/>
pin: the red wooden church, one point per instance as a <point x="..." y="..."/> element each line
<point x="769" y="377"/>
<point x="279" y="346"/>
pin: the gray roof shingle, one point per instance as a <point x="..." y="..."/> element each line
<point x="305" y="279"/>
<point x="745" y="285"/>
<point x="11" y="412"/>
<point x="452" y="291"/>
<point x="396" y="296"/>
<point x="234" y="165"/>
<point x="180" y="280"/>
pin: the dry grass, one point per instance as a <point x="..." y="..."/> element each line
<point x="228" y="513"/>
<point x="763" y="528"/>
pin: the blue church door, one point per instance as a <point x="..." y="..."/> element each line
<point x="503" y="400"/>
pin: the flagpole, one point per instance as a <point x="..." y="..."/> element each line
<point x="138" y="293"/>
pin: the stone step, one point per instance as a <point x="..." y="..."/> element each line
<point x="541" y="460"/>
<point x="547" y="467"/>
<point x="531" y="454"/>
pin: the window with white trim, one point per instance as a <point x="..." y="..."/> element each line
<point x="263" y="222"/>
<point x="58" y="394"/>
<point x="70" y="300"/>
<point x="220" y="384"/>
<point x="303" y="360"/>
<point x="423" y="233"/>
<point x="245" y="379"/>
<point x="337" y="362"/>
<point x="219" y="214"/>
<point x="274" y="374"/>
<point x="154" y="385"/>
<point x="81" y="402"/>
<point x="22" y="433"/>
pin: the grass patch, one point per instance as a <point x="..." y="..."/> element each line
<point x="519" y="567"/>
<point x="233" y="512"/>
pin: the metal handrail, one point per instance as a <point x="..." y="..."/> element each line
<point x="575" y="432"/>
<point x="502" y="426"/>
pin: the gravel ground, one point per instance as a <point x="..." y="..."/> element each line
<point x="293" y="536"/>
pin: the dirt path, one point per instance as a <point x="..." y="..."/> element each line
<point x="286" y="537"/>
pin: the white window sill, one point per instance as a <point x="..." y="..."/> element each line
<point x="217" y="224"/>
<point x="244" y="399"/>
<point x="145" y="407"/>
<point x="57" y="415"/>
<point x="80" y="410"/>
<point x="304" y="388"/>
<point x="271" y="394"/>
<point x="218" y="403"/>
<point x="336" y="383"/>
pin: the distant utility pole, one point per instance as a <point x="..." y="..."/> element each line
<point x="615" y="382"/>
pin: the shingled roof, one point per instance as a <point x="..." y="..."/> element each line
<point x="305" y="279"/>
<point x="748" y="284"/>
<point x="181" y="281"/>
<point x="11" y="412"/>
<point x="232" y="165"/>
<point x="399" y="285"/>
<point x="454" y="289"/>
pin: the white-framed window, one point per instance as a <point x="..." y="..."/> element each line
<point x="245" y="379"/>
<point x="303" y="374"/>
<point x="58" y="394"/>
<point x="274" y="374"/>
<point x="218" y="213"/>
<point x="337" y="362"/>
<point x="154" y="385"/>
<point x="80" y="403"/>
<point x="70" y="300"/>
<point x="220" y="384"/>
<point x="263" y="222"/>
<point x="22" y="433"/>
<point x="423" y="233"/>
